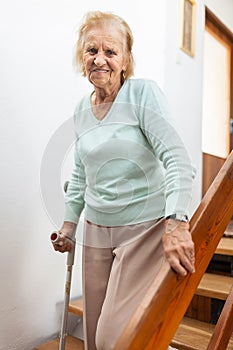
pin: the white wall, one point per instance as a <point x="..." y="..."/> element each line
<point x="183" y="85"/>
<point x="38" y="93"/>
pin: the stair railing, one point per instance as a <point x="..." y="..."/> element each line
<point x="159" y="314"/>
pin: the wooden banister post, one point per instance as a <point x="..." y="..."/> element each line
<point x="157" y="318"/>
<point x="224" y="326"/>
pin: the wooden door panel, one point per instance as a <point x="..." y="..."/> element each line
<point x="211" y="166"/>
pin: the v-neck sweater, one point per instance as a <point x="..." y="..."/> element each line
<point x="132" y="165"/>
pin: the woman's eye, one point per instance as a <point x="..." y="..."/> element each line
<point x="92" y="51"/>
<point x="110" y="52"/>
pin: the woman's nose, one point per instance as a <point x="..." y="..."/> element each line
<point x="99" y="59"/>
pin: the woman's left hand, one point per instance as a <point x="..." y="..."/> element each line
<point x="179" y="247"/>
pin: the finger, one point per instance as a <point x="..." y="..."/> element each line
<point x="190" y="256"/>
<point x="63" y="247"/>
<point x="56" y="246"/>
<point x="188" y="263"/>
<point x="67" y="248"/>
<point x="177" y="266"/>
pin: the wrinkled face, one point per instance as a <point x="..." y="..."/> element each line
<point x="103" y="56"/>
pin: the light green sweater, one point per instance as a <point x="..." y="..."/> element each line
<point x="131" y="166"/>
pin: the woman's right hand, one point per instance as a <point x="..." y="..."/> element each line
<point x="66" y="237"/>
<point x="179" y="247"/>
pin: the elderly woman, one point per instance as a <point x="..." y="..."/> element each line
<point x="132" y="177"/>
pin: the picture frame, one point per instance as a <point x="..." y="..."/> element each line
<point x="188" y="27"/>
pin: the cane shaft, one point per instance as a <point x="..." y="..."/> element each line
<point x="70" y="262"/>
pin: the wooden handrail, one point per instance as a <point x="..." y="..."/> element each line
<point x="157" y="318"/>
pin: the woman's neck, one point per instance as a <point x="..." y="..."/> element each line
<point x="102" y="100"/>
<point x="101" y="95"/>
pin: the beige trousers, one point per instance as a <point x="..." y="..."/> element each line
<point x="119" y="263"/>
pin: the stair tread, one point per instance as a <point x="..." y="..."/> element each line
<point x="229" y="230"/>
<point x="225" y="246"/>
<point x="71" y="344"/>
<point x="76" y="306"/>
<point x="194" y="335"/>
<point x="215" y="286"/>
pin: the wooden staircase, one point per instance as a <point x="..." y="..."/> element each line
<point x="162" y="316"/>
<point x="192" y="333"/>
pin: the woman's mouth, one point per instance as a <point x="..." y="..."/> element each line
<point x="100" y="70"/>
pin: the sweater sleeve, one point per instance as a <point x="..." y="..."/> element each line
<point x="74" y="199"/>
<point x="169" y="148"/>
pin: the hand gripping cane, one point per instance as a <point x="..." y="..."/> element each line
<point x="55" y="238"/>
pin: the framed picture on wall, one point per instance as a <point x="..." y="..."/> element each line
<point x="188" y="26"/>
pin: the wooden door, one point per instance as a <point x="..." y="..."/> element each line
<point x="217" y="98"/>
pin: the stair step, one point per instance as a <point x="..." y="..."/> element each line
<point x="215" y="286"/>
<point x="194" y="335"/>
<point x="71" y="344"/>
<point x="225" y="246"/>
<point x="229" y="230"/>
<point x="76" y="307"/>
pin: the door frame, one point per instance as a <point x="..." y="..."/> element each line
<point x="221" y="30"/>
<point x="212" y="164"/>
